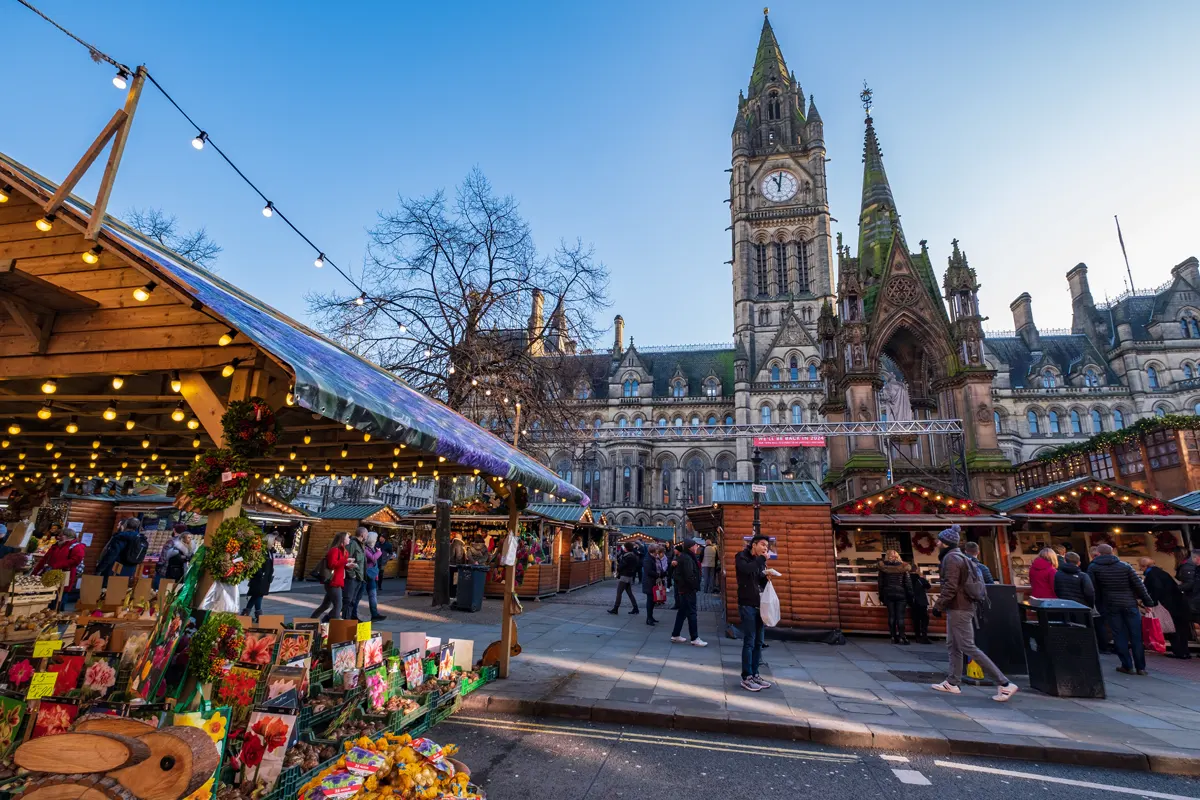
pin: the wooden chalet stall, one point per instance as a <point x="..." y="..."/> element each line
<point x="113" y="347"/>
<point x="1084" y="512"/>
<point x="581" y="565"/>
<point x="907" y="518"/>
<point x="347" y="517"/>
<point x="663" y="534"/>
<point x="285" y="525"/>
<point x="795" y="514"/>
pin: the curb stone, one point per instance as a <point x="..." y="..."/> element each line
<point x="851" y="734"/>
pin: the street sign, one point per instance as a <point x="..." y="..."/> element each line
<point x="786" y="440"/>
<point x="758" y="488"/>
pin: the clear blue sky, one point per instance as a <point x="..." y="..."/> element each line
<point x="1019" y="128"/>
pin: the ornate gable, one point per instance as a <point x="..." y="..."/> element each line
<point x="792" y="335"/>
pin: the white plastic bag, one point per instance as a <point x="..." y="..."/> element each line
<point x="508" y="551"/>
<point x="768" y="606"/>
<point x="221" y="597"/>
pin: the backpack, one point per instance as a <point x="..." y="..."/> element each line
<point x="135" y="550"/>
<point x="973" y="586"/>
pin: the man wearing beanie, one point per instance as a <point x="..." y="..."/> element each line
<point x="962" y="587"/>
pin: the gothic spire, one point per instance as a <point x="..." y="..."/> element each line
<point x="813" y="114"/>
<point x="878" y="221"/>
<point x="768" y="61"/>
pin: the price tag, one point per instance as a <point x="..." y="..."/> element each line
<point x="42" y="685"/>
<point x="47" y="648"/>
<point x="364" y="631"/>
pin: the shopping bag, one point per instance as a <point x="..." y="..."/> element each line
<point x="768" y="606"/>
<point x="1152" y="634"/>
<point x="1164" y="618"/>
<point x="660" y="592"/>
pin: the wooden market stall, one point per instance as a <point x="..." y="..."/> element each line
<point x="907" y="518"/>
<point x="581" y="547"/>
<point x="286" y="528"/>
<point x="1084" y="512"/>
<point x="795" y="514"/>
<point x="377" y="517"/>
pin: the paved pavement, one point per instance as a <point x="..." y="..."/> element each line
<point x="536" y="759"/>
<point x="581" y="663"/>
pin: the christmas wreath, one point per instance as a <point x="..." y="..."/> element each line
<point x="1164" y="542"/>
<point x="235" y="552"/>
<point x="251" y="428"/>
<point x="1093" y="504"/>
<point x="909" y="504"/>
<point x="217" y="480"/>
<point x="219" y="640"/>
<point x="924" y="543"/>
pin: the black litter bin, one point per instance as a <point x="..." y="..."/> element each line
<point x="1060" y="648"/>
<point x="999" y="630"/>
<point x="471" y="578"/>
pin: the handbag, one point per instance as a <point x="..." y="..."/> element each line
<point x="660" y="592"/>
<point x="1163" y="616"/>
<point x="1152" y="635"/>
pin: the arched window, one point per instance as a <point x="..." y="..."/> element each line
<point x="760" y="269"/>
<point x="1152" y="377"/>
<point x="1090" y="377"/>
<point x="766" y="415"/>
<point x="597" y="424"/>
<point x="677" y="389"/>
<point x="1032" y="417"/>
<point x="797" y="414"/>
<point x="627" y="485"/>
<point x="621" y="423"/>
<point x="591" y="483"/>
<point x="712" y="387"/>
<point x="1048" y="379"/>
<point x="773" y="105"/>
<point x="1118" y="419"/>
<point x="1054" y="427"/>
<point x="1188" y="372"/>
<point x="794" y="369"/>
<point x="729" y="419"/>
<point x="780" y="285"/>
<point x="802" y="249"/>
<point x="662" y="422"/>
<point x="638" y="422"/>
<point x="1196" y="409"/>
<point x="773" y="471"/>
<point x="712" y="420"/>
<point x="693" y="481"/>
<point x="724" y="469"/>
<point x="666" y="485"/>
<point x="1160" y="412"/>
<point x="1097" y="421"/>
<point x="812" y="372"/>
<point x="582" y="392"/>
<point x="1076" y="423"/>
<point x="695" y="422"/>
<point x="996" y="420"/>
<point x="775" y="373"/>
<point x="563" y="470"/>
<point x="1189" y="325"/>
<point x="679" y="422"/>
<point x="537" y="429"/>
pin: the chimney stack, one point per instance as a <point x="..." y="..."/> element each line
<point x="1083" y="308"/>
<point x="1189" y="270"/>
<point x="1022" y="309"/>
<point x="618" y="336"/>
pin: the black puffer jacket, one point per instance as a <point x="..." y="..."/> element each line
<point x="687" y="573"/>
<point x="1117" y="585"/>
<point x="751" y="577"/>
<point x="1189" y="583"/>
<point x="893" y="582"/>
<point x="1072" y="583"/>
<point x="630" y="565"/>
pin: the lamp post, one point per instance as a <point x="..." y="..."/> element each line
<point x="756" y="460"/>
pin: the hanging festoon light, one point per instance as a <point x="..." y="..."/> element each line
<point x="121" y="79"/>
<point x="196" y="443"/>
<point x="131" y="423"/>
<point x="92" y="256"/>
<point x="176" y="383"/>
<point x="199" y="140"/>
<point x="290" y="399"/>
<point x="403" y="328"/>
<point x="292" y="454"/>
<point x="117" y="381"/>
<point x="366" y="437"/>
<point x="268" y="209"/>
<point x="49" y="386"/>
<point x="73" y="424"/>
<point x="178" y="414"/>
<point x="193" y="423"/>
<point x="5" y="193"/>
<point x="228" y="370"/>
<point x="46" y="411"/>
<point x="361" y="299"/>
<point x="308" y="436"/>
<point x="142" y="293"/>
<point x="451" y="370"/>
<point x="110" y="413"/>
<point x="44" y="224"/>
<point x="428" y="352"/>
<point x="227" y="337"/>
<point x="319" y="261"/>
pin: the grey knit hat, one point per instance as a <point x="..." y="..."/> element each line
<point x="951" y="535"/>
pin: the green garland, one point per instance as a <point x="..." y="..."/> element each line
<point x="1107" y="439"/>
<point x="219" y="639"/>
<point x="236" y="551"/>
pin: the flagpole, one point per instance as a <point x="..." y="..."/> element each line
<point x="1121" y="239"/>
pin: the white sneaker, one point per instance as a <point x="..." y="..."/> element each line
<point x="678" y="639"/>
<point x="699" y="643"/>
<point x="947" y="687"/>
<point x="762" y="683"/>
<point x="1005" y="692"/>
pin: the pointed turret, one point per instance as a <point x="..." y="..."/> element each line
<point x="879" y="222"/>
<point x="813" y="114"/>
<point x="768" y="61"/>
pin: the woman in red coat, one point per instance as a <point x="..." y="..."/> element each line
<point x="336" y="559"/>
<point x="1041" y="575"/>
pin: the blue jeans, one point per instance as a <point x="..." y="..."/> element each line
<point x="1126" y="624"/>
<point x="686" y="609"/>
<point x="352" y="593"/>
<point x="253" y="601"/>
<point x="752" y="639"/>
<point x="372" y="587"/>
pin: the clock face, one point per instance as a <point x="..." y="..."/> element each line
<point x="779" y="185"/>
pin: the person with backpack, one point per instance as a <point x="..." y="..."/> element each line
<point x="961" y="588"/>
<point x="128" y="547"/>
<point x="627" y="568"/>
<point x="333" y="574"/>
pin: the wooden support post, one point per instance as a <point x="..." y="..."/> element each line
<point x="507" y="623"/>
<point x="114" y="155"/>
<point x="205" y="404"/>
<point x="85" y="163"/>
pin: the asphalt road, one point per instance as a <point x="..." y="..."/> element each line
<point x="517" y="758"/>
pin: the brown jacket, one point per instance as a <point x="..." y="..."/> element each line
<point x="954" y="576"/>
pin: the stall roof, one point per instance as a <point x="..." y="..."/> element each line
<point x="329" y="380"/>
<point x="924" y="520"/>
<point x="1190" y="501"/>
<point x="561" y="512"/>
<point x="664" y="533"/>
<point x="1080" y="498"/>
<point x="779" y="493"/>
<point x="360" y="511"/>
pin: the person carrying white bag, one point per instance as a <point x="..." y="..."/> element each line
<point x="758" y="605"/>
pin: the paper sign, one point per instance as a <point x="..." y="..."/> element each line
<point x="42" y="685"/>
<point x="87" y="539"/>
<point x="46" y="648"/>
<point x="758" y="488"/>
<point x="364" y="631"/>
<point x="75" y="526"/>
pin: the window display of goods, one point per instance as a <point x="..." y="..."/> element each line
<point x="28" y="626"/>
<point x="394" y="767"/>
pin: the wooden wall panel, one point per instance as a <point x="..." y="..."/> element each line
<point x="98" y="519"/>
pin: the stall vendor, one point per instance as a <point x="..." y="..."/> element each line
<point x="577" y="551"/>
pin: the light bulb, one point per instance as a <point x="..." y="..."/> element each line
<point x="361" y="299"/>
<point x="320" y="262"/>
<point x="292" y="455"/>
<point x="46" y="411"/>
<point x="176" y="384"/>
<point x="308" y="437"/>
<point x="344" y="452"/>
<point x="441" y="459"/>
<point x="92" y="256"/>
<point x="154" y="456"/>
<point x="370" y="465"/>
<point x="403" y="328"/>
<point x="199" y="141"/>
<point x="178" y="414"/>
<point x="95" y="444"/>
<point x="474" y="382"/>
<point x="196" y="443"/>
<point x="110" y="413"/>
<point x="327" y="466"/>
<point x="121" y="79"/>
<point x="49" y="446"/>
<point x="45" y="223"/>
<point x="268" y="209"/>
<point x="304" y="466"/>
<point x="73" y="425"/>
<point x="349" y="427"/>
<point x="145" y="444"/>
<point x="227" y="337"/>
<point x="117" y="382"/>
<point x="21" y="456"/>
<point x="366" y="437"/>
<point x="395" y="451"/>
<point x="193" y="423"/>
<point x="130" y="423"/>
<point x="4" y="442"/>
<point x="428" y="352"/>
<point x="281" y="467"/>
<point x="228" y="370"/>
<point x="451" y="370"/>
<point x="142" y="293"/>
<point x="4" y="193"/>
<point x="49" y="386"/>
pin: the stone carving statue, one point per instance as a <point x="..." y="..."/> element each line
<point x="893" y="398"/>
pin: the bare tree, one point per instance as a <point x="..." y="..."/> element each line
<point x="196" y="246"/>
<point x="459" y="302"/>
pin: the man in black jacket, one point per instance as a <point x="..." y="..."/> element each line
<point x="1118" y="589"/>
<point x="1072" y="583"/>
<point x="751" y="565"/>
<point x="687" y="583"/>
<point x="627" y="568"/>
<point x="1189" y="582"/>
<point x="1166" y="592"/>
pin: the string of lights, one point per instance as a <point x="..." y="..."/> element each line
<point x="203" y="138"/>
